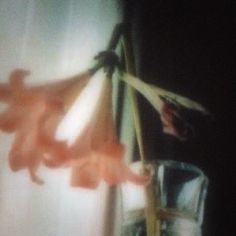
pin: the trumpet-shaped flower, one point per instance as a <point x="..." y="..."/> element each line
<point x="169" y="105"/>
<point x="97" y="153"/>
<point x="34" y="114"/>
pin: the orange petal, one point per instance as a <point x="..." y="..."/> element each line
<point x="33" y="165"/>
<point x="16" y="81"/>
<point x="55" y="154"/>
<point x="111" y="171"/>
<point x="9" y="120"/>
<point x="113" y="168"/>
<point x="115" y="171"/>
<point x="5" y="92"/>
<point x="67" y="90"/>
<point x="110" y="163"/>
<point x="25" y="155"/>
<point x="18" y="73"/>
<point x="35" y="178"/>
<point x="100" y="128"/>
<point x="86" y="176"/>
<point x="17" y="160"/>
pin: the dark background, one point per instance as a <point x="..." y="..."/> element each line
<point x="188" y="47"/>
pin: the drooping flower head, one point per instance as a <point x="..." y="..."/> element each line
<point x="34" y="114"/>
<point x="97" y="152"/>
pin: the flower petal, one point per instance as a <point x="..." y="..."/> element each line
<point x="9" y="120"/>
<point x="67" y="90"/>
<point x="5" y="92"/>
<point x="86" y="174"/>
<point x="113" y="168"/>
<point x="25" y="153"/>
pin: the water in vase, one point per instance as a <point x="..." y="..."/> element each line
<point x="173" y="223"/>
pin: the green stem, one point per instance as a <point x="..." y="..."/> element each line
<point x="130" y="68"/>
<point x="153" y="225"/>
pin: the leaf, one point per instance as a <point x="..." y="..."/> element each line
<point x="155" y="95"/>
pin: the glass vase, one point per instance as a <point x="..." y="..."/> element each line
<point x="180" y="191"/>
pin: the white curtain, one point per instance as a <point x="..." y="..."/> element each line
<point x="53" y="39"/>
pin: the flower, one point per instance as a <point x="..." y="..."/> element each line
<point x="97" y="153"/>
<point x="172" y="120"/>
<point x="34" y="114"/>
<point x="169" y="106"/>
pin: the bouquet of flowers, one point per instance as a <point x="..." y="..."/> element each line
<point x="35" y="113"/>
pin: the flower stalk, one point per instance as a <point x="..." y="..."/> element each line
<point x="152" y="223"/>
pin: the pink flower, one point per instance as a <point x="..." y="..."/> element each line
<point x="98" y="154"/>
<point x="34" y="114"/>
